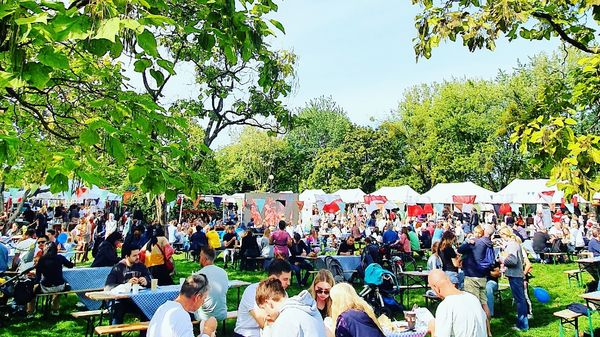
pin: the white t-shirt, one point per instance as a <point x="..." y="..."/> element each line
<point x="460" y="316"/>
<point x="215" y="303"/>
<point x="245" y="324"/>
<point x="26" y="249"/>
<point x="172" y="229"/>
<point x="171" y="320"/>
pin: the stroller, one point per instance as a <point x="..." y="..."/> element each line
<point x="15" y="292"/>
<point x="380" y="289"/>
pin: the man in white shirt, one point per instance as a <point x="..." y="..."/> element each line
<point x="251" y="319"/>
<point x="24" y="251"/>
<point x="460" y="314"/>
<point x="215" y="304"/>
<point x="172" y="319"/>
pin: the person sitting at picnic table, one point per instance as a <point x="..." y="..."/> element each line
<point x="291" y="316"/>
<point x="215" y="302"/>
<point x="320" y="288"/>
<point x="229" y="243"/>
<point x="459" y="314"/>
<point x="390" y="236"/>
<point x="197" y="241"/>
<point x="107" y="252"/>
<point x="248" y="249"/>
<point x="351" y="315"/>
<point x="299" y="249"/>
<point x="346" y="247"/>
<point x="281" y="241"/>
<point x="158" y="251"/>
<point x="594" y="244"/>
<point x="51" y="234"/>
<point x="128" y="270"/>
<point x="172" y="319"/>
<point x="24" y="251"/>
<point x="213" y="237"/>
<point x="251" y="319"/>
<point x="49" y="275"/>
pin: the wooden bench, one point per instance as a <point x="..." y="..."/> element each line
<point x="568" y="317"/>
<point x="230" y="315"/>
<point x="575" y="274"/>
<point x="555" y="256"/>
<point x="121" y="328"/>
<point x="89" y="317"/>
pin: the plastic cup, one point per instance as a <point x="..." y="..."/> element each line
<point x="154" y="284"/>
<point x="411" y="319"/>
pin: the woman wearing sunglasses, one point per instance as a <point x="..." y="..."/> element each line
<point x="319" y="290"/>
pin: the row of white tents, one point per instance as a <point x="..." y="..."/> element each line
<point x="519" y="191"/>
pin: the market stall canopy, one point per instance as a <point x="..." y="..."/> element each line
<point x="308" y="196"/>
<point x="442" y="193"/>
<point x="351" y="196"/>
<point x="531" y="191"/>
<point x="398" y="194"/>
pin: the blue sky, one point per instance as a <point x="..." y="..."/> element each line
<point x="361" y="54"/>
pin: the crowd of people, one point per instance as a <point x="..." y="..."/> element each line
<point x="468" y="255"/>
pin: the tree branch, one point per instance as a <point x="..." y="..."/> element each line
<point x="563" y="35"/>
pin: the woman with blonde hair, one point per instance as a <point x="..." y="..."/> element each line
<point x="514" y="261"/>
<point x="320" y="288"/>
<point x="353" y="316"/>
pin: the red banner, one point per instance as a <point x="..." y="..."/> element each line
<point x="505" y="209"/>
<point x="331" y="207"/>
<point x="464" y="199"/>
<point x="428" y="209"/>
<point x="370" y="198"/>
<point x="414" y="210"/>
<point x="300" y="204"/>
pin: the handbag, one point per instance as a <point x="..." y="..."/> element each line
<point x="168" y="260"/>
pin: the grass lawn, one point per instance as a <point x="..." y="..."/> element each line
<point x="550" y="277"/>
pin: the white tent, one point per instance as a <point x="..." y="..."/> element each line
<point x="309" y="199"/>
<point x="351" y="196"/>
<point x="442" y="193"/>
<point x="527" y="191"/>
<point x="399" y="194"/>
<point x="596" y="196"/>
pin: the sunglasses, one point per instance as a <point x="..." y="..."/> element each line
<point x="41" y="242"/>
<point x="322" y="291"/>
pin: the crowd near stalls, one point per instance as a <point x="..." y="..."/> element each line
<point x="457" y="241"/>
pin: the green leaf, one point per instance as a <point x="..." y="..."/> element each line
<point x="137" y="173"/>
<point x="167" y="65"/>
<point x="41" y="17"/>
<point x="278" y="25"/>
<point x="7" y="9"/>
<point x="9" y="80"/>
<point x="170" y="195"/>
<point x="91" y="178"/>
<point x="230" y="54"/>
<point x="158" y="77"/>
<point x="37" y="74"/>
<point x="147" y="41"/>
<point x="108" y="29"/>
<point x="52" y="58"/>
<point x="89" y="136"/>
<point x="156" y="20"/>
<point x="115" y="148"/>
<point x="141" y="65"/>
<point x="570" y="121"/>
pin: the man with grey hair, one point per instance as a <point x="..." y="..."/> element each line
<point x="172" y="319"/>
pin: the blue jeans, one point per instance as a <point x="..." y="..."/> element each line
<point x="518" y="292"/>
<point x="457" y="278"/>
<point x="491" y="287"/>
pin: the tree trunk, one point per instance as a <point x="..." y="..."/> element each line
<point x="14" y="216"/>
<point x="161" y="212"/>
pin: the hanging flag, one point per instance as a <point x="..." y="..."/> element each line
<point x="196" y="202"/>
<point x="464" y="199"/>
<point x="331" y="207"/>
<point x="505" y="209"/>
<point x="428" y="209"/>
<point x="80" y="191"/>
<point x="126" y="196"/>
<point x="260" y="204"/>
<point x="414" y="210"/>
<point x="562" y="203"/>
<point x="217" y="201"/>
<point x="547" y="196"/>
<point x="575" y="201"/>
<point x="341" y="205"/>
<point x="439" y="208"/>
<point x="370" y="198"/>
<point x="300" y="205"/>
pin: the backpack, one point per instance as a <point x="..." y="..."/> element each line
<point x="489" y="259"/>
<point x="335" y="267"/>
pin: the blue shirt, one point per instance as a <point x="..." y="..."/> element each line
<point x="3" y="258"/>
<point x="594" y="246"/>
<point x="390" y="236"/>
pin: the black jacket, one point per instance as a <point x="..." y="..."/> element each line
<point x="106" y="255"/>
<point x="121" y="273"/>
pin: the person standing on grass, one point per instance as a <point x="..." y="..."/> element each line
<point x="513" y="260"/>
